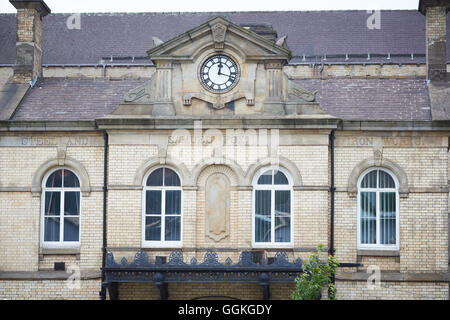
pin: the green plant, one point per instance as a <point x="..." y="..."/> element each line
<point x="315" y="277"/>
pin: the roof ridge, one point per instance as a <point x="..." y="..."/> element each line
<point x="222" y="12"/>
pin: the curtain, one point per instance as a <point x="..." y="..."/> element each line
<point x="52" y="215"/>
<point x="388" y="218"/>
<point x="262" y="215"/>
<point x="368" y="218"/>
<point x="173" y="215"/>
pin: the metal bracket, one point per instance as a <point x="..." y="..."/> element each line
<point x="113" y="290"/>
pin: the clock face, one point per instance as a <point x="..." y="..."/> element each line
<point x="219" y="73"/>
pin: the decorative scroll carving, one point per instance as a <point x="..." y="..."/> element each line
<point x="142" y="93"/>
<point x="298" y="93"/>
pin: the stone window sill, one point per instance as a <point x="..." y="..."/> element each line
<point x="378" y="253"/>
<point x="59" y="251"/>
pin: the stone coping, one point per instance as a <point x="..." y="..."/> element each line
<point x="395" y="276"/>
<point x="47" y="275"/>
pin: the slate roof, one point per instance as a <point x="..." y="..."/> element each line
<point x="310" y="33"/>
<point x="73" y="99"/>
<point x="348" y="99"/>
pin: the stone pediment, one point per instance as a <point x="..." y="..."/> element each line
<point x="219" y="33"/>
<point x="182" y="84"/>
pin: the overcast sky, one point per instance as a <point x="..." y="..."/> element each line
<point x="216" y="5"/>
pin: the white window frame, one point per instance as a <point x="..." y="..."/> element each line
<point x="61" y="243"/>
<point x="377" y="190"/>
<point x="161" y="243"/>
<point x="272" y="188"/>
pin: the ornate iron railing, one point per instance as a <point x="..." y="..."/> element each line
<point x="210" y="270"/>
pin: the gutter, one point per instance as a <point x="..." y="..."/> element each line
<point x="105" y="193"/>
<point x="331" y="249"/>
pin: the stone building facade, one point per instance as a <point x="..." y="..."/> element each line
<point x="218" y="141"/>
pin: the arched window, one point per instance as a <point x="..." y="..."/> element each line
<point x="272" y="208"/>
<point x="378" y="214"/>
<point x="162" y="223"/>
<point x="61" y="203"/>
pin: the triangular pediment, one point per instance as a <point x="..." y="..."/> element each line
<point x="219" y="33"/>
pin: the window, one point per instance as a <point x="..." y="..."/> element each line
<point x="162" y="223"/>
<point x="61" y="200"/>
<point x="272" y="209"/>
<point x="378" y="215"/>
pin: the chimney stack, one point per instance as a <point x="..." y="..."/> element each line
<point x="28" y="63"/>
<point x="435" y="12"/>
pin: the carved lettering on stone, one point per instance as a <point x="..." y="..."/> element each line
<point x="217" y="206"/>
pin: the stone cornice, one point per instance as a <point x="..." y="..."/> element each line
<point x="152" y="123"/>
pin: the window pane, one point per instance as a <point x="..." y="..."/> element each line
<point x="265" y="178"/>
<point x="280" y="178"/>
<point x="156" y="178"/>
<point x="282" y="229"/>
<point x="70" y="180"/>
<point x="52" y="203"/>
<point x="386" y="180"/>
<point x="72" y="203"/>
<point x="153" y="203"/>
<point x="388" y="218"/>
<point x="368" y="218"/>
<point x="282" y="216"/>
<point x="369" y="180"/>
<point x="262" y="215"/>
<point x="153" y="228"/>
<point x="173" y="228"/>
<point x="55" y="180"/>
<point x="171" y="178"/>
<point x="173" y="202"/>
<point x="283" y="203"/>
<point x="71" y="229"/>
<point x="51" y="229"/>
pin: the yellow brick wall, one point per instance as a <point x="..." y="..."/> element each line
<point x="357" y="290"/>
<point x="20" y="238"/>
<point x="311" y="161"/>
<point x="19" y="231"/>
<point x="48" y="290"/>
<point x="423" y="213"/>
<point x="124" y="160"/>
<point x="188" y="291"/>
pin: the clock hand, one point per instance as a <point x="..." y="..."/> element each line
<point x="220" y="67"/>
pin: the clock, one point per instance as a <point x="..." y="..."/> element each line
<point x="219" y="73"/>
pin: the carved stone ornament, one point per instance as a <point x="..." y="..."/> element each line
<point x="218" y="32"/>
<point x="217" y="206"/>
<point x="142" y="93"/>
<point x="298" y="93"/>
